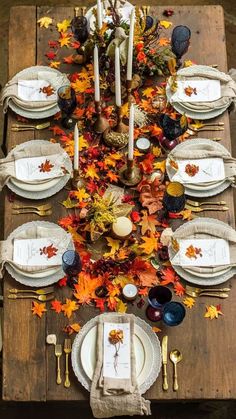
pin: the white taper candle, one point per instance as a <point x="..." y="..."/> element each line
<point x="117" y="77"/>
<point x="99" y="14"/>
<point x="131" y="133"/>
<point x="130" y="46"/>
<point x="96" y="74"/>
<point x="76" y="148"/>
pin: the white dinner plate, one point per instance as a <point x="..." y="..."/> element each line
<point x="143" y="353"/>
<point x="206" y="275"/>
<point x="36" y="187"/>
<point x="148" y="353"/>
<point x="37" y="275"/>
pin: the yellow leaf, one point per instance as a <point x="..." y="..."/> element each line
<point x="121" y="307"/>
<point x="148" y="223"/>
<point x="69" y="307"/>
<point x="161" y="165"/>
<point x="150" y="244"/>
<point x="148" y="92"/>
<point x="83" y="143"/>
<point x="189" y="302"/>
<point x="63" y="26"/>
<point x="81" y="194"/>
<point x="156" y="151"/>
<point x="172" y="66"/>
<point x="81" y="84"/>
<point x="156" y="329"/>
<point x="114" y="244"/>
<point x="69" y="203"/>
<point x="77" y="238"/>
<point x="111" y="159"/>
<point x="125" y="109"/>
<point x="54" y="64"/>
<point x="212" y="312"/>
<point x="45" y="22"/>
<point x="91" y="172"/>
<point x="166" y="24"/>
<point x="64" y="40"/>
<point x="187" y="214"/>
<point x="197" y="124"/>
<point x="137" y="153"/>
<point x="188" y="63"/>
<point x="122" y="280"/>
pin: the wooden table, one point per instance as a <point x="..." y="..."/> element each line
<point x="209" y="350"/>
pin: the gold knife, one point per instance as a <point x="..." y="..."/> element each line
<point x="164" y="361"/>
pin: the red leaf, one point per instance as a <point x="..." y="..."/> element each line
<point x="57" y="130"/>
<point x="179" y="289"/>
<point x="75" y="44"/>
<point x="100" y="303"/>
<point x="135" y="216"/>
<point x="62" y="282"/>
<point x="50" y="55"/>
<point x="168" y="276"/>
<point x="56" y="305"/>
<point x="69" y="59"/>
<point x="53" y="44"/>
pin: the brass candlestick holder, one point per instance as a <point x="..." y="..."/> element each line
<point x="130" y="174"/>
<point x="120" y="127"/>
<point x="75" y="179"/>
<point x="129" y="90"/>
<point x="101" y="123"/>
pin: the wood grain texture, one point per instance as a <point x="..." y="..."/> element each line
<point x="207" y="370"/>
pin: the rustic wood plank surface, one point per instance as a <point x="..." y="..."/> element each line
<point x="207" y="370"/>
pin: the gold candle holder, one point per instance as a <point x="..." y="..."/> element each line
<point x="75" y="179"/>
<point x="120" y="127"/>
<point x="129" y="90"/>
<point x="101" y="123"/>
<point x="130" y="174"/>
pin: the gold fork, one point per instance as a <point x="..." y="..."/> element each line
<point x="199" y="290"/>
<point x="44" y="291"/>
<point x="17" y="127"/>
<point x="67" y="350"/>
<point x="58" y="354"/>
<point x="210" y="124"/>
<point x="193" y="133"/>
<point x="199" y="204"/>
<point x="206" y="294"/>
<point x="197" y="209"/>
<point x="40" y="213"/>
<point x="43" y="207"/>
<point x="34" y="297"/>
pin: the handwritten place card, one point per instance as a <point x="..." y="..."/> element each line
<point x="197" y="91"/>
<point x="39" y="168"/>
<point x="123" y="369"/>
<point x="37" y="252"/>
<point x="29" y="90"/>
<point x="207" y="170"/>
<point x="202" y="252"/>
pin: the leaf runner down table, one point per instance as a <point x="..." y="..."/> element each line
<point x="209" y="351"/>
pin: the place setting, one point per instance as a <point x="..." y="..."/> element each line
<point x="35" y="169"/>
<point x="32" y="93"/>
<point x="201" y="92"/>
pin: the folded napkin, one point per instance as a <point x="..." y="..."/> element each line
<point x="10" y="91"/>
<point x="59" y="237"/>
<point x="203" y="150"/>
<point x="208" y="229"/>
<point x="32" y="90"/>
<point x="116" y="396"/>
<point x="7" y="165"/>
<point x="201" y="72"/>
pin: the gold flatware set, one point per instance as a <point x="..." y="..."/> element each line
<point x="44" y="294"/>
<point x="200" y="204"/>
<point x="199" y="209"/>
<point x="175" y="357"/>
<point x="51" y="339"/>
<point x="206" y="292"/>
<point x="41" y="210"/>
<point x="21" y="127"/>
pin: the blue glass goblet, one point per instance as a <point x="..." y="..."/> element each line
<point x="159" y="295"/>
<point x="72" y="266"/>
<point x="67" y="104"/>
<point x="173" y="313"/>
<point x="180" y="40"/>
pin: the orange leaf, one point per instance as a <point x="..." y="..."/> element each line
<point x="69" y="307"/>
<point x="38" y="309"/>
<point x="64" y="39"/>
<point x="168" y="276"/>
<point x="113" y="177"/>
<point x="46" y="166"/>
<point x="69" y="59"/>
<point x="150" y="244"/>
<point x="155" y="130"/>
<point x="91" y="172"/>
<point x="145" y="273"/>
<point x="143" y="291"/>
<point x="156" y="329"/>
<point x="72" y="328"/>
<point x="179" y="289"/>
<point x="148" y="223"/>
<point x="85" y="289"/>
<point x="56" y="305"/>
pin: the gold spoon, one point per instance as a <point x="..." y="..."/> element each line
<point x="18" y="127"/>
<point x="175" y="357"/>
<point x="32" y="297"/>
<point x="206" y="294"/>
<point x="43" y="207"/>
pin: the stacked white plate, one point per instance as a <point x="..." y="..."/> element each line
<point x="182" y="107"/>
<point x="205" y="279"/>
<point x="147" y="354"/>
<point x="203" y="190"/>
<point x="39" y="190"/>
<point x="31" y="112"/>
<point x="37" y="279"/>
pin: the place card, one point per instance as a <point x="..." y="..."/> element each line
<point x="33" y="90"/>
<point x="202" y="252"/>
<point x="123" y="367"/>
<point x="199" y="170"/>
<point x="39" y="168"/>
<point x="197" y="91"/>
<point x="37" y="252"/>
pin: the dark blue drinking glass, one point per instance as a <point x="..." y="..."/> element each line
<point x="79" y="26"/>
<point x="174" y="197"/>
<point x="173" y="313"/>
<point x="71" y="265"/>
<point x="67" y="103"/>
<point x="180" y="40"/>
<point x="159" y="295"/>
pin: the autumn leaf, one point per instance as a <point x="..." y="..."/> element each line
<point x="186" y="214"/>
<point x="49" y="251"/>
<point x="179" y="289"/>
<point x="81" y="194"/>
<point x="121" y="307"/>
<point x="38" y="308"/>
<point x="72" y="328"/>
<point x="156" y="151"/>
<point x="83" y="143"/>
<point x="148" y="92"/>
<point x="168" y="275"/>
<point x="197" y="124"/>
<point x="193" y="252"/>
<point x="69" y="59"/>
<point x="56" y="305"/>
<point x="63" y="26"/>
<point x="213" y="312"/>
<point x="163" y="42"/>
<point x="188" y="63"/>
<point x="54" y="64"/>
<point x="50" y="55"/>
<point x="91" y="172"/>
<point x="165" y="23"/>
<point x="147" y="164"/>
<point x="85" y="289"/>
<point x="100" y="303"/>
<point x="113" y="177"/>
<point x="161" y="165"/>
<point x="46" y="166"/>
<point x="114" y="245"/>
<point x="69" y="307"/>
<point x="111" y="159"/>
<point x="156" y="329"/>
<point x="143" y="291"/>
<point x="150" y="244"/>
<point x="64" y="39"/>
<point x="77" y="238"/>
<point x="81" y="84"/>
<point x="112" y="303"/>
<point x="189" y="302"/>
<point x="53" y="44"/>
<point x="69" y="203"/>
<point x="75" y="44"/>
<point x="189" y="91"/>
<point x="148" y="223"/>
<point x="44" y="22"/>
<point x="125" y="109"/>
<point x="67" y="221"/>
<point x="145" y="272"/>
<point x="57" y="130"/>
